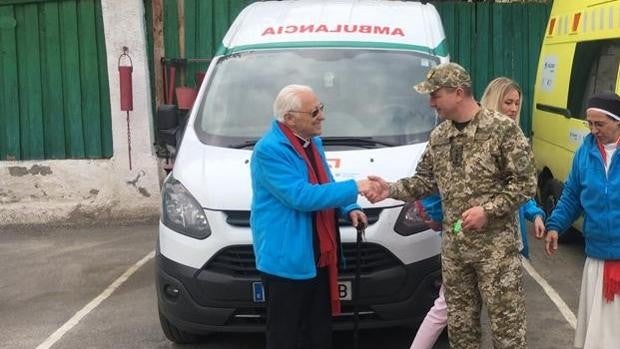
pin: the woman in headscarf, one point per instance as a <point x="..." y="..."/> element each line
<point x="593" y="189"/>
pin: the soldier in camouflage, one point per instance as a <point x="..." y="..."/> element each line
<point x="481" y="164"/>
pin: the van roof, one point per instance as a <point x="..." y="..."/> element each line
<point x="337" y="23"/>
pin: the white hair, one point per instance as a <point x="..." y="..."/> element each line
<point x="288" y="99"/>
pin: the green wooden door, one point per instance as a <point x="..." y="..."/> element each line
<point x="497" y="39"/>
<point x="205" y="24"/>
<point x="54" y="93"/>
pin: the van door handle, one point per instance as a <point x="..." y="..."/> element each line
<point x="555" y="110"/>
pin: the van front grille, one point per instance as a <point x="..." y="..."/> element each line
<point x="242" y="218"/>
<point x="257" y="315"/>
<point x="239" y="260"/>
<point x="233" y="260"/>
<point x="373" y="258"/>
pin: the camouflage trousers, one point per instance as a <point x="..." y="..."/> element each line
<point x="495" y="279"/>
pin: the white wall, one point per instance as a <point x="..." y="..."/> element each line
<point x="93" y="191"/>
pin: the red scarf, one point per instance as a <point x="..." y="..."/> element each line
<point x="611" y="268"/>
<point x="325" y="220"/>
<point x="611" y="279"/>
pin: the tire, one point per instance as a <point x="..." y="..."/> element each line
<point x="551" y="194"/>
<point x="176" y="335"/>
<point x="543" y="177"/>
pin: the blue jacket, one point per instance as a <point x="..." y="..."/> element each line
<point x="529" y="210"/>
<point x="432" y="206"/>
<point x="590" y="191"/>
<point x="283" y="202"/>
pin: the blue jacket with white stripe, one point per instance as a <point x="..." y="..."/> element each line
<point x="596" y="194"/>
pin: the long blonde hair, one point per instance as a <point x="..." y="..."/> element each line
<point x="496" y="91"/>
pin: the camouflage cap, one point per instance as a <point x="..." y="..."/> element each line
<point x="444" y="75"/>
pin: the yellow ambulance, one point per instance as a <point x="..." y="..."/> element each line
<point x="579" y="57"/>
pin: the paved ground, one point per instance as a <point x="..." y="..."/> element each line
<point x="48" y="275"/>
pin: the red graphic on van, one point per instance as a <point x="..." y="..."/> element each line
<point x="338" y="28"/>
<point x="333" y="163"/>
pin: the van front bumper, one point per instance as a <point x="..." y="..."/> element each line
<point x="219" y="297"/>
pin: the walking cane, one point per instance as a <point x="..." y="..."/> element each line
<point x="356" y="283"/>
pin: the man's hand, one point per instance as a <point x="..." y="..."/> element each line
<point x="551" y="242"/>
<point x="365" y="186"/>
<point x="380" y="189"/>
<point x="358" y="217"/>
<point x="539" y="227"/>
<point x="474" y="218"/>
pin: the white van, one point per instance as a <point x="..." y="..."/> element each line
<point x="361" y="58"/>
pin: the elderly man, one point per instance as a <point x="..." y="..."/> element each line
<point x="480" y="163"/>
<point x="294" y="225"/>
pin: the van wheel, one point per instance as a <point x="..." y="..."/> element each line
<point x="544" y="177"/>
<point x="176" y="335"/>
<point x="551" y="194"/>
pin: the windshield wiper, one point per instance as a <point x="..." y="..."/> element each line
<point x="363" y="142"/>
<point x="244" y="144"/>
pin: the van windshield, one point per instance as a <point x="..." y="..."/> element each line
<point x="368" y="95"/>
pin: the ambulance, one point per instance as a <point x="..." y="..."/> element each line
<point x="580" y="56"/>
<point x="361" y="57"/>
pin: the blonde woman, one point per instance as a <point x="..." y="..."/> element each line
<point x="504" y="95"/>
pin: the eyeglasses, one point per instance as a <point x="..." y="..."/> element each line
<point x="314" y="113"/>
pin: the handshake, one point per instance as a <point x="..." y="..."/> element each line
<point x="374" y="188"/>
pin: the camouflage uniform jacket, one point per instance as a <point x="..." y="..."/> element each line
<point x="489" y="163"/>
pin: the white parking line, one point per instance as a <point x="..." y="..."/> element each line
<point x="553" y="295"/>
<point x="67" y="326"/>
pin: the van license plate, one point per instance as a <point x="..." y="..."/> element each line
<point x="344" y="289"/>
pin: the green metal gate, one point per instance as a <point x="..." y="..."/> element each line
<point x="202" y="36"/>
<point x="54" y="93"/>
<point x="497" y="39"/>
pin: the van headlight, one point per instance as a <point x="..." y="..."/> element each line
<point x="409" y="221"/>
<point x="181" y="212"/>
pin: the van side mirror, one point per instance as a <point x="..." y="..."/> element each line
<point x="167" y="124"/>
